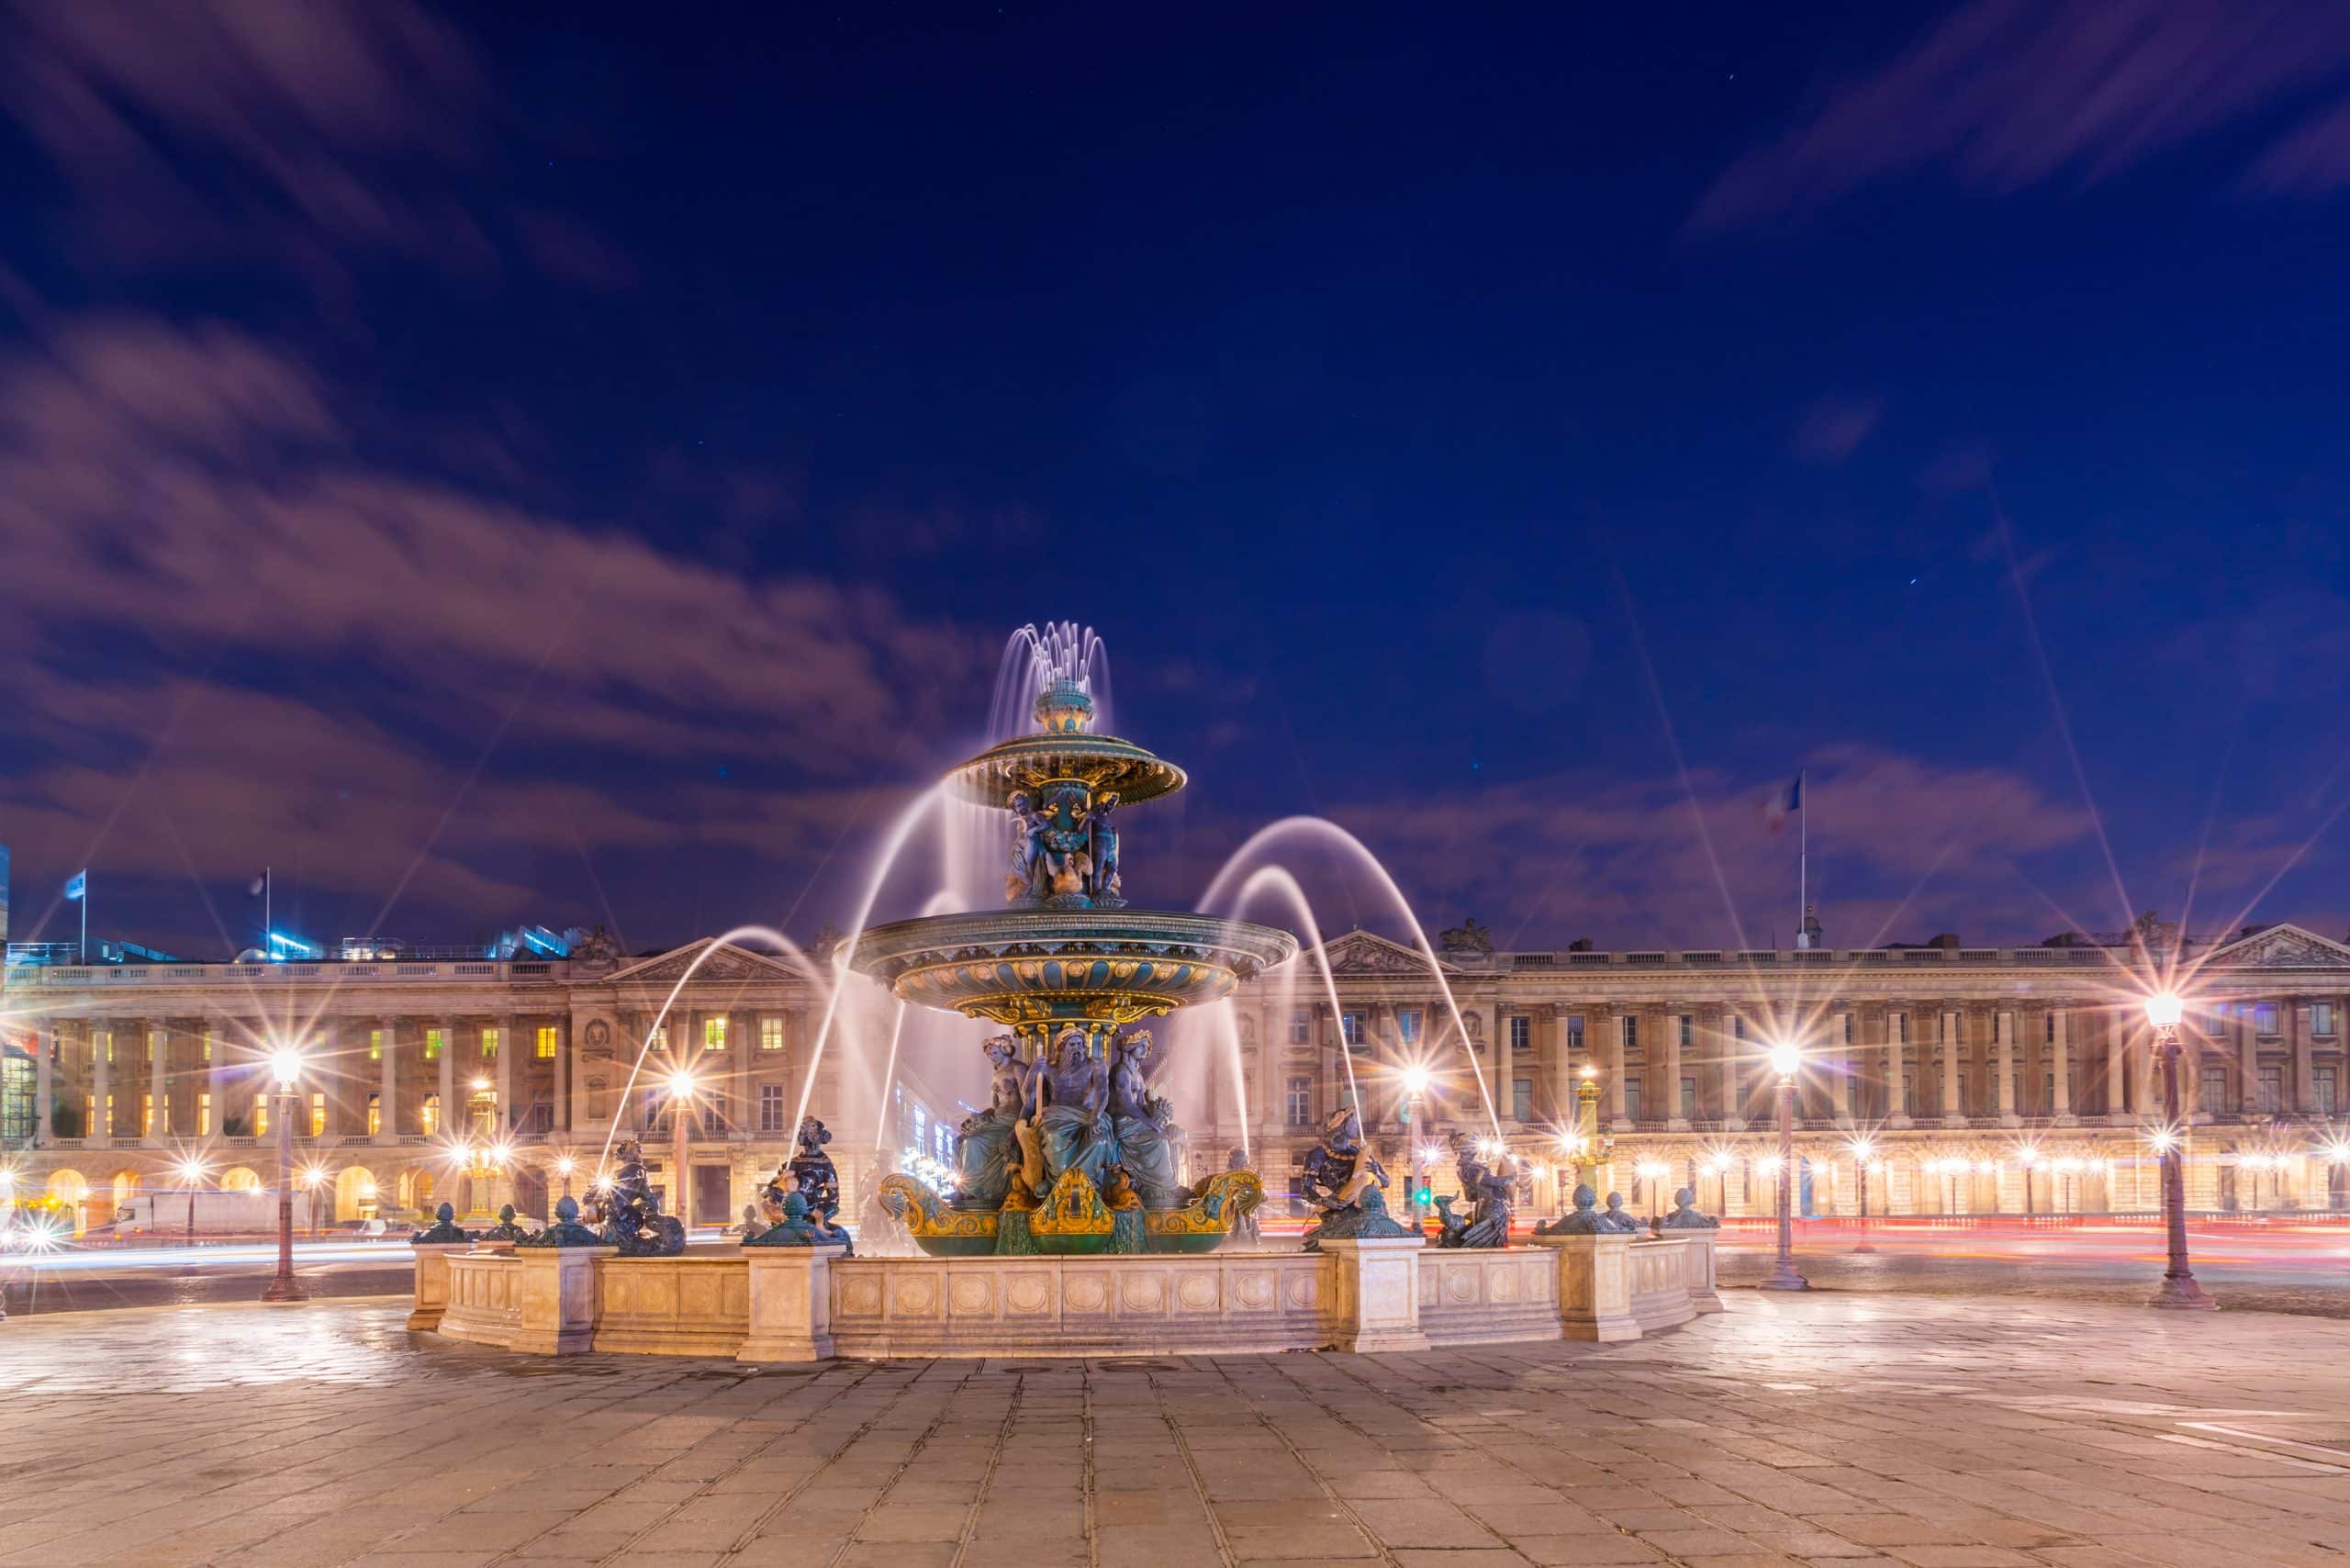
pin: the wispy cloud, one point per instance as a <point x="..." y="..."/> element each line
<point x="1833" y="429"/>
<point x="2008" y="94"/>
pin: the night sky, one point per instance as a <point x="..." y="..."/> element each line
<point x="582" y="464"/>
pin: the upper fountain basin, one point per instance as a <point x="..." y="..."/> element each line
<point x="1033" y="966"/>
<point x="1100" y="762"/>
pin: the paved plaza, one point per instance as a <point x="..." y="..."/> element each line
<point x="1841" y="1430"/>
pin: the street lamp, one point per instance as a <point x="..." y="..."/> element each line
<point x="1415" y="1084"/>
<point x="681" y="1088"/>
<point x="2029" y="1157"/>
<point x="285" y="1069"/>
<point x="1785" y="1058"/>
<point x="2179" y="1289"/>
<point x="563" y="1166"/>
<point x="313" y="1175"/>
<point x="191" y="1172"/>
<point x="1863" y="1152"/>
<point x="1587" y="1126"/>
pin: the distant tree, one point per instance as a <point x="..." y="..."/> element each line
<point x="232" y="1126"/>
<point x="65" y="1121"/>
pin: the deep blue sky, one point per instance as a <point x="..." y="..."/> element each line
<point x="490" y="470"/>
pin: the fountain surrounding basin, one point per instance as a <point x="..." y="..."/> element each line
<point x="1074" y="1154"/>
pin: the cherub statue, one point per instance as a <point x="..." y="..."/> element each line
<point x="1028" y="825"/>
<point x="1347" y="1184"/>
<point x="1107" y="884"/>
<point x="1068" y="863"/>
<point x="1120" y="1192"/>
<point x="1620" y="1222"/>
<point x="1586" y="1220"/>
<point x="1684" y="1214"/>
<point x="1488" y="1192"/>
<point x="1244" y="1231"/>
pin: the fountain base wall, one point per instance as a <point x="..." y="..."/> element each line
<point x="811" y="1304"/>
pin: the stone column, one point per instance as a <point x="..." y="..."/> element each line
<point x="44" y="1081"/>
<point x="1503" y="1069"/>
<point x="1563" y="1068"/>
<point x="1729" y="1077"/>
<point x="2297" y="1034"/>
<point x="101" y="1128"/>
<point x="563" y="1075"/>
<point x="158" y="1130"/>
<point x="212" y="1049"/>
<point x="2003" y="1025"/>
<point x="388" y="1092"/>
<point x="2061" y="1060"/>
<point x="1880" y="1022"/>
<point x="2117" y="1068"/>
<point x="1620" y="1111"/>
<point x="2247" y="1058"/>
<point x="452" y="1113"/>
<point x="1954" y="1041"/>
<point x="1840" y="1086"/>
<point x="508" y="1043"/>
<point x="1669" y="1023"/>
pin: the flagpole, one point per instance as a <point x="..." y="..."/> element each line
<point x="1803" y="860"/>
<point x="268" y="921"/>
<point x="81" y="953"/>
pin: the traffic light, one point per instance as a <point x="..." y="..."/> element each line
<point x="1423" y="1196"/>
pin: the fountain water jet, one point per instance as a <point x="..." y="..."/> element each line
<point x="1322" y="827"/>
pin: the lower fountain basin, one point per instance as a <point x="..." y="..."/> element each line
<point x="1073" y="1222"/>
<point x="1042" y="966"/>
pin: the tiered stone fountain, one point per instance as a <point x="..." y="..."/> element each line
<point x="1074" y="1154"/>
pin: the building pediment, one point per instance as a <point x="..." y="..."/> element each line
<point x="2280" y="947"/>
<point x="727" y="964"/>
<point x="1360" y="953"/>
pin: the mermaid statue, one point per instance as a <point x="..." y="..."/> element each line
<point x="986" y="1137"/>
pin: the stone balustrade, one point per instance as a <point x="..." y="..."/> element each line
<point x="788" y="1305"/>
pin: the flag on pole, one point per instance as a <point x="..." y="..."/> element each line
<point x="257" y="885"/>
<point x="1783" y="804"/>
<point x="78" y="885"/>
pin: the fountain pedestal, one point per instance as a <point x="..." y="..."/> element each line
<point x="1378" y="1292"/>
<point x="433" y="1283"/>
<point x="792" y="1304"/>
<point x="558" y="1308"/>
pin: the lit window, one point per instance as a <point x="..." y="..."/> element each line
<point x="318" y="1113"/>
<point x="432" y="1045"/>
<point x="260" y="1115"/>
<point x="770" y="1034"/>
<point x="546" y="1042"/>
<point x="206" y="1038"/>
<point x="108" y="1038"/>
<point x="374" y="1045"/>
<point x="713" y="1033"/>
<point x="432" y="1115"/>
<point x="203" y="1115"/>
<point x="154" y="1043"/>
<point x="488" y="1043"/>
<point x="375" y="1115"/>
<point x="146" y="1115"/>
<point x="660" y="1041"/>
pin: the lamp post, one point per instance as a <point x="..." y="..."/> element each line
<point x="1863" y="1152"/>
<point x="2179" y="1289"/>
<point x="681" y="1099"/>
<point x="285" y="1067"/>
<point x="191" y="1173"/>
<point x="1588" y="1127"/>
<point x="2030" y="1160"/>
<point x="313" y="1175"/>
<point x="563" y="1166"/>
<point x="1415" y="1084"/>
<point x="1784" y="1276"/>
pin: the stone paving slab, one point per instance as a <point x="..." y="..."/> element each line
<point x="1833" y="1432"/>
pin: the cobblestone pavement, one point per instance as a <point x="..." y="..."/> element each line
<point x="1844" y="1431"/>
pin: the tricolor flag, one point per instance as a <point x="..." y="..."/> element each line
<point x="78" y="884"/>
<point x="1783" y="804"/>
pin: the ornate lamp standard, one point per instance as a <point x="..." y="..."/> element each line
<point x="313" y="1176"/>
<point x="2179" y="1289"/>
<point x="681" y="1087"/>
<point x="1863" y="1152"/>
<point x="563" y="1166"/>
<point x="1587" y="1126"/>
<point x="191" y="1173"/>
<point x="1784" y="1276"/>
<point x="1415" y="1084"/>
<point x="285" y="1069"/>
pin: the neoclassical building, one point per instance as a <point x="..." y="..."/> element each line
<point x="1936" y="1079"/>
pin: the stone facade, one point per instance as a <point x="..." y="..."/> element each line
<point x="1982" y="1079"/>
